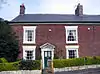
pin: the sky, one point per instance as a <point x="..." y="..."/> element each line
<point x="10" y="9"/>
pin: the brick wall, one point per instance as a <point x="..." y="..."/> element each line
<point x="88" y="38"/>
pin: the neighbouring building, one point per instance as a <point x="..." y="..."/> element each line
<point x="51" y="36"/>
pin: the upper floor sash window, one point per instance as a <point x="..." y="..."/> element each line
<point x="29" y="34"/>
<point x="71" y="34"/>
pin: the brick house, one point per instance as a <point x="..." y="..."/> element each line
<point x="57" y="35"/>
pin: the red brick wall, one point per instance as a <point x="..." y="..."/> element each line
<point x="19" y="32"/>
<point x="56" y="37"/>
<point x="88" y="40"/>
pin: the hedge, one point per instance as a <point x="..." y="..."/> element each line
<point x="60" y="63"/>
<point x="3" y="60"/>
<point x="9" y="66"/>
<point x="29" y="65"/>
<point x="20" y="65"/>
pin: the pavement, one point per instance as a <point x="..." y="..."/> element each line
<point x="86" y="71"/>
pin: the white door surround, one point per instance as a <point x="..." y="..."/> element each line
<point x="47" y="47"/>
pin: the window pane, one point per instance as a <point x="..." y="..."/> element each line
<point x="29" y="35"/>
<point x="72" y="53"/>
<point x="49" y="53"/>
<point x="71" y="35"/>
<point x="45" y="54"/>
<point x="27" y="58"/>
<point x="29" y="55"/>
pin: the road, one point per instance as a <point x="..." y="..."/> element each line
<point x="87" y="71"/>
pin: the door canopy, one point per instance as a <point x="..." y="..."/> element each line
<point x="47" y="45"/>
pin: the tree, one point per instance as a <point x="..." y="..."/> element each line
<point x="8" y="42"/>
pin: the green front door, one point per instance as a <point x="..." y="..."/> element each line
<point x="47" y="55"/>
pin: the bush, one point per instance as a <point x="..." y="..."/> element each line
<point x="29" y="65"/>
<point x="9" y="66"/>
<point x="3" y="60"/>
<point x="60" y="63"/>
<point x="20" y="65"/>
<point x="68" y="62"/>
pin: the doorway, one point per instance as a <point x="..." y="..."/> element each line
<point x="47" y="54"/>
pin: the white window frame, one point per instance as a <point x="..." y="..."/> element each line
<point x="25" y="35"/>
<point x="72" y="47"/>
<point x="27" y="48"/>
<point x="71" y="28"/>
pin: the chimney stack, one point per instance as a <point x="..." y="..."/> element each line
<point x="22" y="9"/>
<point x="79" y="10"/>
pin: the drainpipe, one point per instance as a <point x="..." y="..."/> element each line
<point x="93" y="40"/>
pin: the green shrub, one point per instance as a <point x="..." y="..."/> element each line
<point x="37" y="64"/>
<point x="20" y="65"/>
<point x="3" y="60"/>
<point x="92" y="60"/>
<point x="9" y="66"/>
<point x="60" y="63"/>
<point x="68" y="62"/>
<point x="29" y="65"/>
<point x="0" y="61"/>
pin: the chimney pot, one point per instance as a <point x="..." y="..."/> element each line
<point x="22" y="9"/>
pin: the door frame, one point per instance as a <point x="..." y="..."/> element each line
<point x="46" y="47"/>
<point x="42" y="55"/>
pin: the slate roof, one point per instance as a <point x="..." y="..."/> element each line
<point x="56" y="18"/>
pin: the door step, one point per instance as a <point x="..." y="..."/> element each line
<point x="47" y="71"/>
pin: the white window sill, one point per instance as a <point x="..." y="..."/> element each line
<point x="71" y="42"/>
<point x="27" y="42"/>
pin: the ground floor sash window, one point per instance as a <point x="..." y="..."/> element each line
<point x="29" y="55"/>
<point x="29" y="52"/>
<point x="72" y="51"/>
